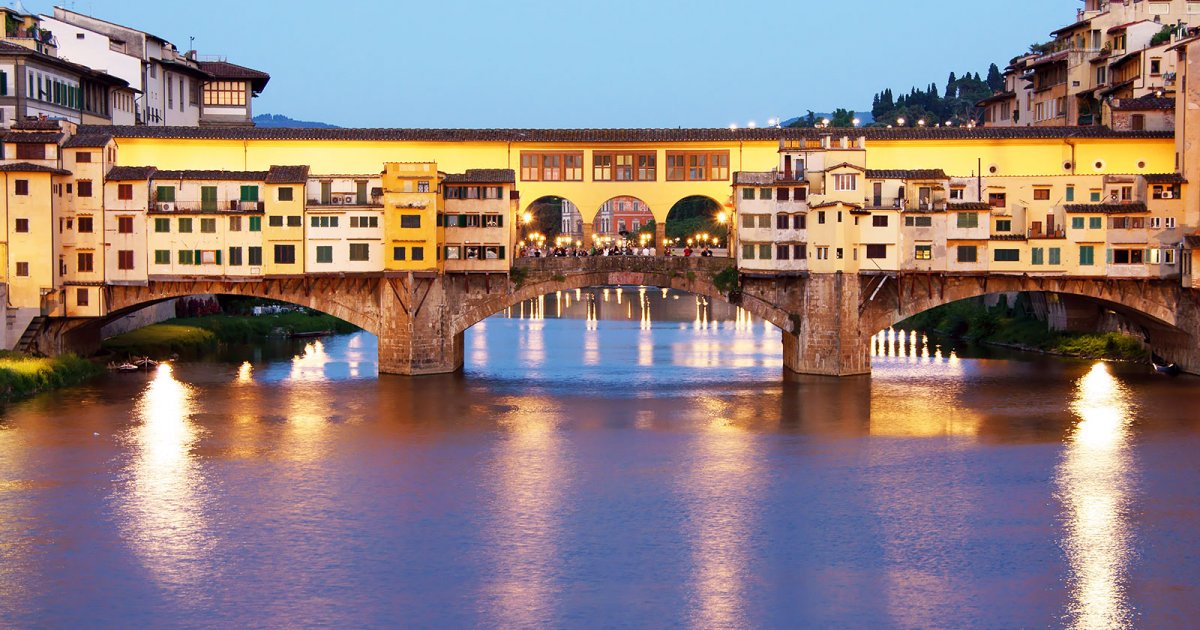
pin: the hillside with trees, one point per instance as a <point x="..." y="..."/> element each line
<point x="933" y="104"/>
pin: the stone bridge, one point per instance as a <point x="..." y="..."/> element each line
<point x="827" y="320"/>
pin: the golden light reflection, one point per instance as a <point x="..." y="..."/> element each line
<point x="724" y="471"/>
<point x="310" y="365"/>
<point x="528" y="479"/>
<point x="1095" y="481"/>
<point x="164" y="519"/>
<point x="245" y="373"/>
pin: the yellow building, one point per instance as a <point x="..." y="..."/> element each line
<point x="127" y="201"/>
<point x="206" y="224"/>
<point x="480" y="212"/>
<point x="281" y="198"/>
<point x="412" y="216"/>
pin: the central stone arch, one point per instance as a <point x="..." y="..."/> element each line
<point x="546" y="276"/>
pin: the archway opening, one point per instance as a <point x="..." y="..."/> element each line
<point x="550" y="219"/>
<point x="1052" y="323"/>
<point x="624" y="222"/>
<point x="193" y="325"/>
<point x="698" y="224"/>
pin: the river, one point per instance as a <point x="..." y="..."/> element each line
<point x="612" y="458"/>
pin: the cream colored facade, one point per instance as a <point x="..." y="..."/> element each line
<point x="344" y="224"/>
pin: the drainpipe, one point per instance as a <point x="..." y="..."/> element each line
<point x="1072" y="145"/>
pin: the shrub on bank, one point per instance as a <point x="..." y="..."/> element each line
<point x="22" y="375"/>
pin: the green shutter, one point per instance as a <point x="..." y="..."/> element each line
<point x="196" y="257"/>
<point x="501" y="252"/>
<point x="218" y="256"/>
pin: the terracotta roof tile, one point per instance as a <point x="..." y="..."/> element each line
<point x="483" y="176"/>
<point x="969" y="205"/>
<point x="549" y="136"/>
<point x="751" y="178"/>
<point x="26" y="167"/>
<point x="130" y="173"/>
<point x="232" y="176"/>
<point x="33" y="137"/>
<point x="1144" y="103"/>
<point x="1106" y="208"/>
<point x="226" y="70"/>
<point x="89" y="141"/>
<point x="919" y="173"/>
<point x="287" y="175"/>
<point x="1164" y="178"/>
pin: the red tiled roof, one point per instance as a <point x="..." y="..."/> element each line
<point x="130" y="173"/>
<point x="1164" y="178"/>
<point x="287" y="175"/>
<point x="482" y="176"/>
<point x="226" y="70"/>
<point x="675" y="134"/>
<point x="1144" y="103"/>
<point x="26" y="167"/>
<point x="919" y="173"/>
<point x="969" y="205"/>
<point x="236" y="176"/>
<point x="1106" y="208"/>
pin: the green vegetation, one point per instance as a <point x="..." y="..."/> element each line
<point x="518" y="275"/>
<point x="727" y="280"/>
<point x="232" y="323"/>
<point x="1014" y="326"/>
<point x="162" y="340"/>
<point x="22" y="375"/>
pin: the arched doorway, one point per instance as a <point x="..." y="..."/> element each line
<point x="698" y="222"/>
<point x="624" y="220"/>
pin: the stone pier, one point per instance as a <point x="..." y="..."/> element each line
<point x="830" y="340"/>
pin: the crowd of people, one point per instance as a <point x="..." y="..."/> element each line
<point x="607" y="250"/>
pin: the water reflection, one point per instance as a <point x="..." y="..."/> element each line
<point x="527" y="479"/>
<point x="1095" y="482"/>
<point x="722" y="486"/>
<point x="163" y="507"/>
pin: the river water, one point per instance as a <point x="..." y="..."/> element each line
<point x="607" y="459"/>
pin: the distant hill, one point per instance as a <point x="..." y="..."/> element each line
<point x="279" y="120"/>
<point x="863" y="116"/>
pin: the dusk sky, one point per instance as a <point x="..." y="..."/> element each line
<point x="619" y="63"/>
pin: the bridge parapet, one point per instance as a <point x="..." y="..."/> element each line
<point x="569" y="265"/>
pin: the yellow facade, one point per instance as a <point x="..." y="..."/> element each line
<point x="412" y="215"/>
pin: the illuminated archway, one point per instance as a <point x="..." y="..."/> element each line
<point x="700" y="221"/>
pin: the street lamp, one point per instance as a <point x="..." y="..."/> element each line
<point x="900" y="121"/>
<point x="856" y="122"/>
<point x="921" y="123"/>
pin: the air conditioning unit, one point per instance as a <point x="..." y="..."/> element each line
<point x="337" y="200"/>
<point x="1168" y="194"/>
<point x="166" y="206"/>
<point x="349" y="200"/>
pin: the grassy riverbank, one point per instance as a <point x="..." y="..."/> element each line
<point x="190" y="336"/>
<point x="1014" y="327"/>
<point x="22" y="375"/>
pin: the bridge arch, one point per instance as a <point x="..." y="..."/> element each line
<point x="1153" y="306"/>
<point x="549" y="275"/>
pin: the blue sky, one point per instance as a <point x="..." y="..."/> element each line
<point x="586" y="63"/>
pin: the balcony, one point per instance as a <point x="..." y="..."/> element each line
<point x="1047" y="234"/>
<point x="344" y="199"/>
<point x="197" y="207"/>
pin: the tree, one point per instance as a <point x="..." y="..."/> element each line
<point x="952" y="86"/>
<point x="842" y="118"/>
<point x="995" y="80"/>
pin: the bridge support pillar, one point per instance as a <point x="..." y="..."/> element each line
<point x="416" y="333"/>
<point x="829" y="340"/>
<point x="660" y="235"/>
